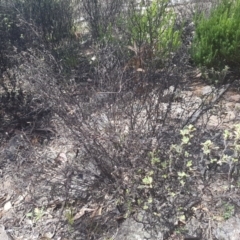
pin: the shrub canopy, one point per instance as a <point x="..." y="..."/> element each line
<point x="217" y="37"/>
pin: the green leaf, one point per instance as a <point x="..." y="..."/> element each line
<point x="164" y="164"/>
<point x="207" y="146"/>
<point x="150" y="200"/>
<point x="145" y="207"/>
<point x="182" y="174"/>
<point x="147" y="180"/>
<point x="182" y="182"/>
<point x="185" y="140"/>
<point x="184" y="132"/>
<point x="186" y="154"/>
<point x="182" y="218"/>
<point x="189" y="163"/>
<point x="30" y="214"/>
<point x="177" y="148"/>
<point x="155" y="160"/>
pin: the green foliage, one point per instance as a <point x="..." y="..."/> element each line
<point x="37" y="214"/>
<point x="228" y="211"/>
<point x="106" y="34"/>
<point x="181" y="152"/>
<point x="154" y="158"/>
<point x="69" y="216"/>
<point x="180" y="155"/>
<point x="148" y="180"/>
<point x="154" y="25"/>
<point x="214" y="76"/>
<point x="217" y="37"/>
<point x="231" y="144"/>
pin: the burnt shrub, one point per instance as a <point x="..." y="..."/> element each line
<point x="11" y="34"/>
<point x="22" y="107"/>
<point x="54" y="19"/>
<point x="132" y="126"/>
<point x="101" y="17"/>
<point x="127" y="130"/>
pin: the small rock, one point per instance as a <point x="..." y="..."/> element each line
<point x="235" y="98"/>
<point x="133" y="230"/>
<point x="228" y="230"/>
<point x="7" y="206"/>
<point x="3" y="234"/>
<point x="207" y="90"/>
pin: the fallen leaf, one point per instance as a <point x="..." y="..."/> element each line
<point x="218" y="218"/>
<point x="182" y="219"/>
<point x="199" y="75"/>
<point x="96" y="212"/>
<point x="82" y="212"/>
<point x="47" y="236"/>
<point x="7" y="206"/>
<point x="20" y="199"/>
<point x="140" y="70"/>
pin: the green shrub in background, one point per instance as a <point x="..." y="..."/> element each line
<point x="217" y="38"/>
<point x="154" y="25"/>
